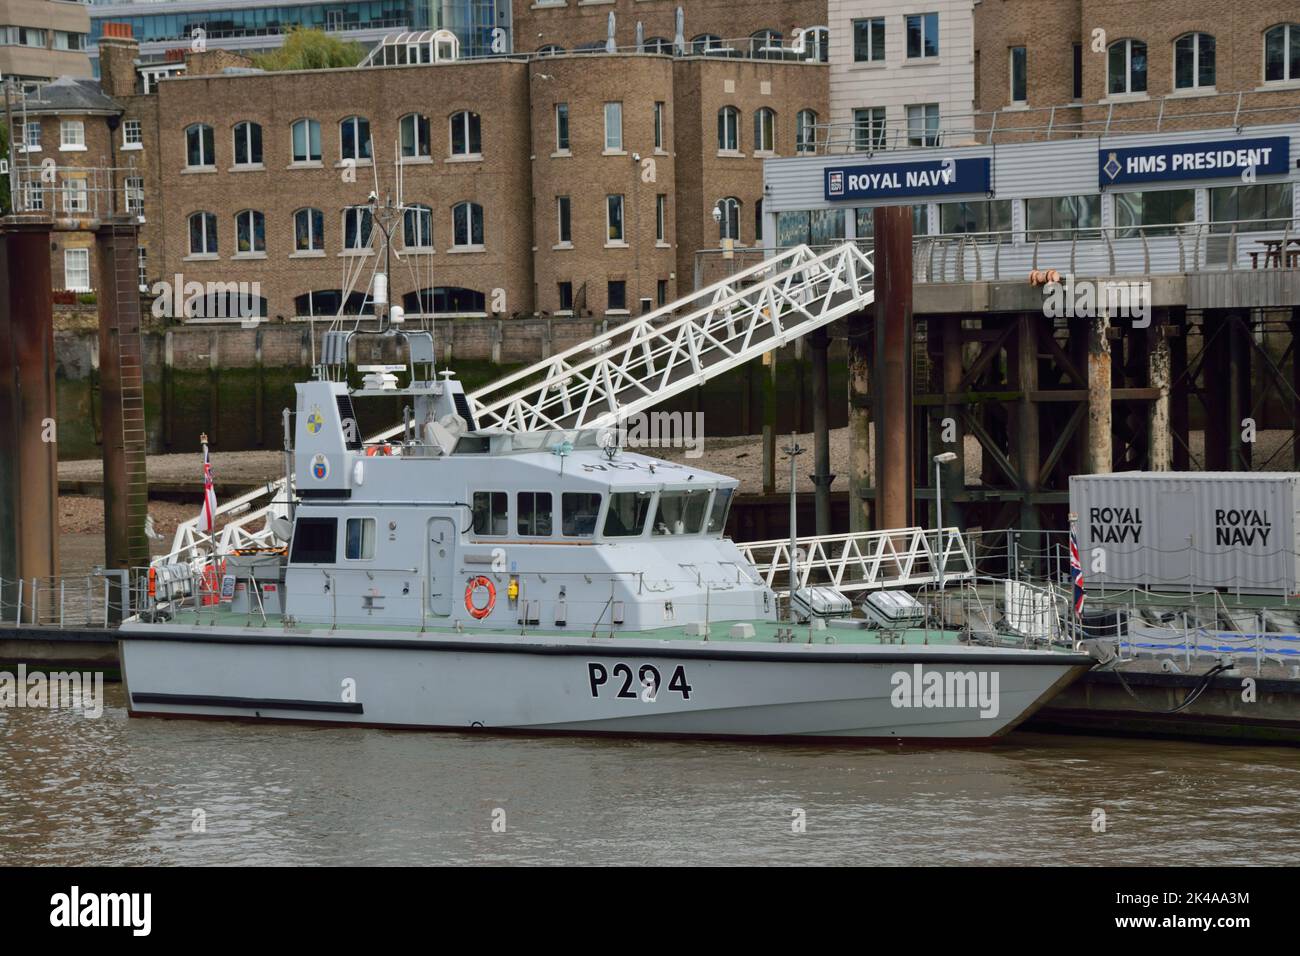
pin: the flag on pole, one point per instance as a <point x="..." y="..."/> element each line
<point x="209" y="492"/>
<point x="1076" y="574"/>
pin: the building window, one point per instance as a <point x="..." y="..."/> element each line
<point x="203" y="234"/>
<point x="765" y="131"/>
<point x="32" y="137"/>
<point x="306" y="141"/>
<point x="706" y="43"/>
<point x="614" y="218"/>
<point x="76" y="270"/>
<point x="987" y="221"/>
<point x="1251" y="208"/>
<point x="467" y="225"/>
<point x="659" y="126"/>
<point x="561" y="127"/>
<point x="134" y="195"/>
<point x="415" y="136"/>
<point x="1019" y="78"/>
<point x="923" y="125"/>
<point x="869" y="40"/>
<point x="64" y="40"/>
<point x="661" y="292"/>
<point x="805" y="132"/>
<point x="1156" y="212"/>
<point x="565" y="290"/>
<point x="1077" y="89"/>
<point x="250" y="232"/>
<point x="616" y="295"/>
<point x="1282" y="52"/>
<point x="1194" y="62"/>
<point x="729" y="129"/>
<point x="922" y="35"/>
<point x="729" y="220"/>
<point x="658" y="45"/>
<point x="613" y="127"/>
<point x="765" y="45"/>
<point x="563" y="220"/>
<point x="1126" y="67"/>
<point x="142" y="267"/>
<point x="309" y="230"/>
<point x="661" y="218"/>
<point x="354" y="138"/>
<point x="758" y="221"/>
<point x="248" y="144"/>
<point x="869" y="129"/>
<point x="417" y="227"/>
<point x="131" y="134"/>
<point x="75" y="197"/>
<point x="356" y="228"/>
<point x="35" y="197"/>
<point x="466" y="135"/>
<point x="199" y="151"/>
<point x="1062" y="218"/>
<point x="533" y="509"/>
<point x="72" y="134"/>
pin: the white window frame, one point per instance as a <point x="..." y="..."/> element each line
<point x="315" y="242"/>
<point x="621" y="238"/>
<point x="469" y="244"/>
<point x="805" y="132"/>
<point x="1196" y="86"/>
<point x="464" y="116"/>
<point x="83" y="268"/>
<point x="205" y="252"/>
<point x="205" y="162"/>
<point x="252" y="251"/>
<point x="76" y="198"/>
<point x="76" y="143"/>
<point x="762" y="148"/>
<point x="923" y="17"/>
<point x="729" y="117"/>
<point x="418" y="122"/>
<point x="562" y="149"/>
<point x="127" y="141"/>
<point x="563" y="211"/>
<point x="661" y="219"/>
<point x="362" y="244"/>
<point x="133" y="189"/>
<point x="614" y="127"/>
<point x="310" y="124"/>
<point x="1286" y="78"/>
<point x="246" y="126"/>
<point x="355" y="121"/>
<point x="423" y="216"/>
<point x="1128" y="67"/>
<point x="730" y="208"/>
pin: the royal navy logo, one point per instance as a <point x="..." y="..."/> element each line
<point x="315" y="421"/>
<point x="836" y="187"/>
<point x="320" y="467"/>
<point x="1112" y="167"/>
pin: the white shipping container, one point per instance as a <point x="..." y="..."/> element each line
<point x="1189" y="530"/>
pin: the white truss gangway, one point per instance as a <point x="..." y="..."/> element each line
<point x="627" y="369"/>
<point x="864" y="560"/>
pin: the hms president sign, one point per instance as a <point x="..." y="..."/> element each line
<point x="931" y="177"/>
<point x="1174" y="161"/>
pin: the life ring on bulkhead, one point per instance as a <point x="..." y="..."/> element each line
<point x="373" y="450"/>
<point x="476" y="612"/>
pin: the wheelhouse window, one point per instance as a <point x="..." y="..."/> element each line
<point x="729" y="129"/>
<point x="306" y="141"/>
<point x="315" y="541"/>
<point x="718" y="512"/>
<point x="466" y="134"/>
<point x="203" y="234"/>
<point x="1194" y="62"/>
<point x="869" y="40"/>
<point x="359" y="537"/>
<point x="922" y="35"/>
<point x="199" y="150"/>
<point x="250" y="232"/>
<point x="415" y="136"/>
<point x="309" y="230"/>
<point x="680" y="512"/>
<point x="579" y="511"/>
<point x="1154" y="212"/>
<point x="533" y="510"/>
<point x="354" y="138"/>
<point x="248" y="144"/>
<point x="627" y="514"/>
<point x="1282" y="53"/>
<point x="1126" y="68"/>
<point x="489" y="511"/>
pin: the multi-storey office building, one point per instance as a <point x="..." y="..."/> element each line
<point x="43" y="39"/>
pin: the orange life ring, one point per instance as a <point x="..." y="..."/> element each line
<point x="476" y="612"/>
<point x="379" y="450"/>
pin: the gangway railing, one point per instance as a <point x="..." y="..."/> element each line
<point x="629" y="368"/>
<point x="865" y="560"/>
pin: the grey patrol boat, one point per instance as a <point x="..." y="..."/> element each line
<point x="459" y="578"/>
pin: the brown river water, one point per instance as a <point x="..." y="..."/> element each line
<point x="122" y="791"/>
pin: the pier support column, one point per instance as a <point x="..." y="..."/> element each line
<point x="861" y="355"/>
<point x="1239" y="405"/>
<point x="1213" y="389"/>
<point x="1099" y="403"/>
<point x="1179" y="387"/>
<point x="1159" y="439"/>
<point x="1028" y="453"/>
<point x="29" y="481"/>
<point x="767" y="381"/>
<point x="893" y="392"/>
<point x="819" y="342"/>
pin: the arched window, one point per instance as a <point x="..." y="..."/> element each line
<point x="198" y="146"/>
<point x="817" y="45"/>
<point x="1282" y="53"/>
<point x="1194" y="61"/>
<point x="765" y="45"/>
<point x="250" y="232"/>
<point x="467" y="225"/>
<point x="444" y="300"/>
<point x="1126" y="69"/>
<point x="805" y="131"/>
<point x="356" y="228"/>
<point x="306" y="141"/>
<point x="203" y="234"/>
<point x="417" y="227"/>
<point x="765" y="130"/>
<point x="309" y="230"/>
<point x="248" y="144"/>
<point x="354" y="138"/>
<point x="729" y="129"/>
<point x="318" y="302"/>
<point x="550" y="49"/>
<point x="706" y="43"/>
<point x="657" y="45"/>
<point x="729" y="223"/>
<point x="466" y="139"/>
<point x="415" y="135"/>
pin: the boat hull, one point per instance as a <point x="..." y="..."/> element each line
<point x="632" y="687"/>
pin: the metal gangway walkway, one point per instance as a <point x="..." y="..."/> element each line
<point x="626" y="370"/>
<point x="864" y="560"/>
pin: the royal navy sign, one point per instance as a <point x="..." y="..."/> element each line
<point x="1173" y="161"/>
<point x="931" y="177"/>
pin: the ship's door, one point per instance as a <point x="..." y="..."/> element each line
<point x="442" y="559"/>
<point x="1173" y="552"/>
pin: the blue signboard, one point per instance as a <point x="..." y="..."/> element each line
<point x="931" y="177"/>
<point x="1173" y="161"/>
